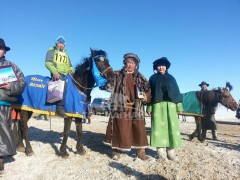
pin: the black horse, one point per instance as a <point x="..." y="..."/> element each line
<point x="209" y="101"/>
<point x="84" y="81"/>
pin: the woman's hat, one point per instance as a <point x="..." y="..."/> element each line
<point x="131" y="56"/>
<point x="203" y="83"/>
<point x="162" y="61"/>
<point x="3" y="46"/>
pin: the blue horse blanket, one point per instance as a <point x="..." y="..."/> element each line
<point x="191" y="105"/>
<point x="34" y="96"/>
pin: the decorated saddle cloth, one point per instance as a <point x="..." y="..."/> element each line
<point x="191" y="105"/>
<point x="34" y="96"/>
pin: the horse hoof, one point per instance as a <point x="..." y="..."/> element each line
<point x="81" y="151"/>
<point x="190" y="137"/>
<point x="64" y="155"/>
<point x="21" y="149"/>
<point x="29" y="152"/>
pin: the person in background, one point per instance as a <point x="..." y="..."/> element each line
<point x="238" y="110"/>
<point x="8" y="93"/>
<point x="208" y="122"/>
<point x="87" y="115"/>
<point x="165" y="103"/>
<point x="58" y="63"/>
<point x="204" y="86"/>
<point x="129" y="93"/>
<point x="39" y="117"/>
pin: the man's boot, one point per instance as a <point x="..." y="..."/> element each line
<point x="171" y="154"/>
<point x="1" y="164"/>
<point x="214" y="135"/>
<point x="141" y="154"/>
<point x="162" y="153"/>
<point x="60" y="111"/>
<point x="204" y="134"/>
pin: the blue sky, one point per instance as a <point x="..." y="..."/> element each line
<point x="201" y="39"/>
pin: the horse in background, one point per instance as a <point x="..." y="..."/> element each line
<point x="84" y="80"/>
<point x="209" y="100"/>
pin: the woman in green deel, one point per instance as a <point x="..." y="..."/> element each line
<point x="165" y="103"/>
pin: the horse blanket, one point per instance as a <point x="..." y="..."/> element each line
<point x="191" y="105"/>
<point x="34" y="96"/>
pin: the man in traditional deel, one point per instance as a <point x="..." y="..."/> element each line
<point x="165" y="103"/>
<point x="126" y="126"/>
<point x="208" y="122"/>
<point x="8" y="92"/>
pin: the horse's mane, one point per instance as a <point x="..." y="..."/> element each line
<point x="100" y="52"/>
<point x="209" y="100"/>
<point x="208" y="97"/>
<point x="81" y="68"/>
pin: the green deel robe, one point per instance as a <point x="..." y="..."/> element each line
<point x="165" y="131"/>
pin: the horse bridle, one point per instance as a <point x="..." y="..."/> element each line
<point x="222" y="99"/>
<point x="102" y="74"/>
<point x="108" y="68"/>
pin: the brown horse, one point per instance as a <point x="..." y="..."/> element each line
<point x="84" y="80"/>
<point x="209" y="101"/>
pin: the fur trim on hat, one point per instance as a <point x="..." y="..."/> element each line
<point x="162" y="61"/>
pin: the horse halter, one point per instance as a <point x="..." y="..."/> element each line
<point x="101" y="58"/>
<point x="227" y="103"/>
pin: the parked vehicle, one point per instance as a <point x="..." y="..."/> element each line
<point x="238" y="110"/>
<point x="100" y="106"/>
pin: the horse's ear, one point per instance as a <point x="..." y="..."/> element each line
<point x="219" y="89"/>
<point x="229" y="86"/>
<point x="92" y="52"/>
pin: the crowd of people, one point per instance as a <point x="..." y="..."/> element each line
<point x="130" y="93"/>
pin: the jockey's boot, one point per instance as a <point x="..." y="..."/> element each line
<point x="1" y="164"/>
<point x="214" y="135"/>
<point x="60" y="111"/>
<point x="204" y="134"/>
<point x="161" y="153"/>
<point x="171" y="154"/>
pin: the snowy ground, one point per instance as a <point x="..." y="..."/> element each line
<point x="209" y="160"/>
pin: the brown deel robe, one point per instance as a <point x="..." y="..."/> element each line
<point x="126" y="126"/>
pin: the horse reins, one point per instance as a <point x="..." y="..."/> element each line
<point x="80" y="84"/>
<point x="102" y="73"/>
